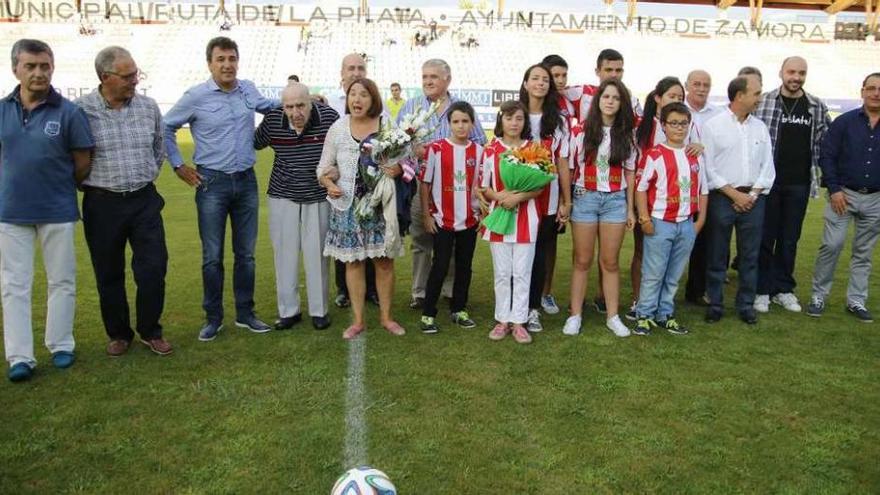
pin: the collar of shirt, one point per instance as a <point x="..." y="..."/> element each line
<point x="53" y="98"/>
<point x="213" y="86"/>
<point x="99" y="96"/>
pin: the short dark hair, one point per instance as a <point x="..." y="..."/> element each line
<point x="463" y="107"/>
<point x="34" y="47"/>
<point x="510" y="107"/>
<point x="375" y="109"/>
<point x="674" y="107"/>
<point x="609" y="54"/>
<point x="750" y="71"/>
<point x="554" y="61"/>
<point x="293" y="77"/>
<point x="221" y="42"/>
<point x="737" y="85"/>
<point x="869" y="76"/>
<point x="395" y="84"/>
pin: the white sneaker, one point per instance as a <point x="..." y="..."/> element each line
<point x="548" y="304"/>
<point x="572" y="325"/>
<point x="615" y="325"/>
<point x="534" y="323"/>
<point x="788" y="301"/>
<point x="762" y="304"/>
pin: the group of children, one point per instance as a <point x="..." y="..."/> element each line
<point x="608" y="182"/>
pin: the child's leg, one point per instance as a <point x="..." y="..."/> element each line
<point x="635" y="267"/>
<point x="443" y="243"/>
<point x="538" y="269"/>
<point x="657" y="248"/>
<point x="550" y="263"/>
<point x="584" y="240"/>
<point x="680" y="250"/>
<point x="610" y="240"/>
<point x="523" y="258"/>
<point x="465" y="243"/>
<point x="502" y="265"/>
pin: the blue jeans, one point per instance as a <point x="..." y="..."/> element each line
<point x="220" y="196"/>
<point x="664" y="259"/>
<point x="720" y="222"/>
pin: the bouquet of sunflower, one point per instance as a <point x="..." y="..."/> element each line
<point x="522" y="170"/>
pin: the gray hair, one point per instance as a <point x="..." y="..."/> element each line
<point x="30" y="46"/>
<point x="107" y="57"/>
<point x="441" y="64"/>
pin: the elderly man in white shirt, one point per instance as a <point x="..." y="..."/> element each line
<point x="740" y="171"/>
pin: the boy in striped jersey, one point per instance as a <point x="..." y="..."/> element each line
<point x="451" y="213"/>
<point x="671" y="190"/>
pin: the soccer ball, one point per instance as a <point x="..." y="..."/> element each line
<point x="363" y="480"/>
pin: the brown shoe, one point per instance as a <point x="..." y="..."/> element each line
<point x="158" y="345"/>
<point x="117" y="347"/>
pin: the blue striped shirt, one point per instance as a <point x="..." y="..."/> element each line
<point x="438" y="121"/>
<point x="222" y="125"/>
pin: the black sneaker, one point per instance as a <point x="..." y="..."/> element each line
<point x="463" y="319"/>
<point x="631" y="314"/>
<point x="672" y="326"/>
<point x="428" y="325"/>
<point x="416" y="303"/>
<point x="599" y="305"/>
<point x="341" y="301"/>
<point x="816" y="307"/>
<point x="749" y="316"/>
<point x="643" y="326"/>
<point x="861" y="312"/>
<point x="713" y="315"/>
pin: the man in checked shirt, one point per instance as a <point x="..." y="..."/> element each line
<point x="121" y="205"/>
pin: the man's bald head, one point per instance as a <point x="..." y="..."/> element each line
<point x="793" y="74"/>
<point x="297" y="105"/>
<point x="698" y="85"/>
<point x="353" y="67"/>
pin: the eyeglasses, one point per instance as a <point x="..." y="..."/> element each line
<point x="134" y="76"/>
<point x="681" y="124"/>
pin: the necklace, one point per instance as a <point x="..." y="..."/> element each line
<point x="788" y="111"/>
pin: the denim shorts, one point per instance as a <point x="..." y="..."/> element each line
<point x="598" y="207"/>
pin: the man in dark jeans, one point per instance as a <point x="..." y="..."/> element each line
<point x="797" y="122"/>
<point x="220" y="113"/>
<point x="121" y="205"/>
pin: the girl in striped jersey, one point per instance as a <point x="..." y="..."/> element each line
<point x="512" y="254"/>
<point x="550" y="128"/>
<point x="603" y="157"/>
<point x="671" y="190"/>
<point x="649" y="134"/>
<point x="451" y="213"/>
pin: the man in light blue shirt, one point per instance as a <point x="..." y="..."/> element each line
<point x="220" y="113"/>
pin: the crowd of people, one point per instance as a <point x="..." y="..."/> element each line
<point x="680" y="173"/>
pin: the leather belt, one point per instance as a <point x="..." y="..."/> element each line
<point x="123" y="195"/>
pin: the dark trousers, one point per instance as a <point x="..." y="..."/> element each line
<point x="696" y="282"/>
<point x="234" y="197"/>
<point x="721" y="221"/>
<point x="783" y="219"/>
<point x="111" y="221"/>
<point x="342" y="287"/>
<point x="546" y="236"/>
<point x="449" y="245"/>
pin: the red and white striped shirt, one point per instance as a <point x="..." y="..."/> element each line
<point x="674" y="182"/>
<point x="452" y="171"/>
<point x="527" y="215"/>
<point x="659" y="137"/>
<point x="558" y="144"/>
<point x="581" y="97"/>
<point x="595" y="172"/>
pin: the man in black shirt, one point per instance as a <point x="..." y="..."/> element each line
<point x="797" y="122"/>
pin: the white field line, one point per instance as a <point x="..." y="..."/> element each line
<point x="356" y="404"/>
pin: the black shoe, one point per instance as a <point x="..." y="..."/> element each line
<point x="860" y="312"/>
<point x="672" y="326"/>
<point x="749" y="316"/>
<point x="341" y="301"/>
<point x="713" y="315"/>
<point x="288" y="322"/>
<point x="416" y="303"/>
<point x="320" y="322"/>
<point x="599" y="305"/>
<point x="373" y="298"/>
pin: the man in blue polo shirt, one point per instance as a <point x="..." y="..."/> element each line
<point x="220" y="113"/>
<point x="45" y="149"/>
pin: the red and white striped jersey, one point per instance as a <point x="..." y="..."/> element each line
<point x="674" y="182"/>
<point x="527" y="216"/>
<point x="548" y="201"/>
<point x="452" y="170"/>
<point x="659" y="137"/>
<point x="581" y="97"/>
<point x="566" y="108"/>
<point x="595" y="172"/>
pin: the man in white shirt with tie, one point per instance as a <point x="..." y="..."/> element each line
<point x="740" y="171"/>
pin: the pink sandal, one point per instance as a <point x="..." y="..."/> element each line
<point x="353" y="331"/>
<point x="394" y="328"/>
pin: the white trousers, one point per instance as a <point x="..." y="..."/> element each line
<point x="513" y="272"/>
<point x="16" y="281"/>
<point x="296" y="228"/>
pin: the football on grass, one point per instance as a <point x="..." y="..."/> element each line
<point x="364" y="480"/>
